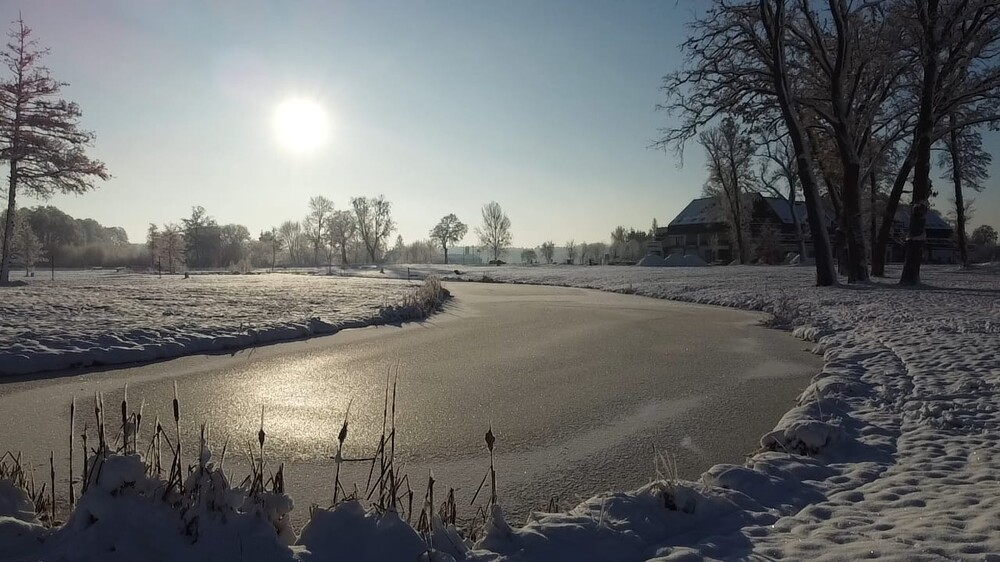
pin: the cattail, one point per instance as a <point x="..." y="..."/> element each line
<point x="72" y="423"/>
<point x="138" y="424"/>
<point x="178" y="463"/>
<point x="341" y="437"/>
<point x="52" y="489"/>
<point x="125" y="432"/>
<point x="490" y="440"/>
<point x="83" y="438"/>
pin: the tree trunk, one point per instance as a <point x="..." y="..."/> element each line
<point x="736" y="202"/>
<point x="8" y="226"/>
<point x="872" y="218"/>
<point x="445" y="254"/>
<point x="956" y="176"/>
<point x="857" y="267"/>
<point x="825" y="274"/>
<point x="920" y="203"/>
<point x="881" y="247"/>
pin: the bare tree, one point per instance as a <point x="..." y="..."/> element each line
<point x="26" y="248"/>
<point x="319" y="208"/>
<point x="968" y="166"/>
<point x="959" y="86"/>
<point x="273" y="241"/>
<point x="375" y="224"/>
<point x="738" y="63"/>
<point x="571" y="251"/>
<point x="40" y="138"/>
<point x="730" y="156"/>
<point x="290" y="233"/>
<point x="781" y="153"/>
<point x="152" y="233"/>
<point x="494" y="234"/>
<point x="170" y="247"/>
<point x="529" y="256"/>
<point x="448" y="231"/>
<point x="548" y="249"/>
<point x="341" y="229"/>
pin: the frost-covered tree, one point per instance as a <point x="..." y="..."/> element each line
<point x="170" y="247"/>
<point x="272" y="242"/>
<point x="291" y="236"/>
<point x="341" y="229"/>
<point x="25" y="247"/>
<point x="571" y="251"/>
<point x="374" y="223"/>
<point x="54" y="229"/>
<point x="235" y="239"/>
<point x="494" y="234"/>
<point x="202" y="239"/>
<point x="967" y="165"/>
<point x="529" y="256"/>
<point x="448" y="231"/>
<point x="730" y="157"/>
<point x="984" y="235"/>
<point x="740" y="61"/>
<point x="958" y="84"/>
<point x="779" y="177"/>
<point x="40" y="138"/>
<point x="152" y="234"/>
<point x="315" y="224"/>
<point x="548" y="250"/>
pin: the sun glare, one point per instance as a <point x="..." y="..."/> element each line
<point x="300" y="125"/>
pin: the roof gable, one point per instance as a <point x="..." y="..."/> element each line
<point x="706" y="210"/>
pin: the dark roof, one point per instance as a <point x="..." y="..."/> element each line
<point x="934" y="220"/>
<point x="700" y="211"/>
<point x="780" y="208"/>
<point x="707" y="210"/>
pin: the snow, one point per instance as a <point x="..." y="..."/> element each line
<point x="104" y="318"/>
<point x="889" y="453"/>
<point x="651" y="260"/>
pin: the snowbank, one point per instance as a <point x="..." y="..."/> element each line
<point x="652" y="260"/>
<point x="104" y="318"/>
<point x="686" y="260"/>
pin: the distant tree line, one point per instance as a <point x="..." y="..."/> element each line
<point x="47" y="235"/>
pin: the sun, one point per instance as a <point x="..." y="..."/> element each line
<point x="300" y="125"/>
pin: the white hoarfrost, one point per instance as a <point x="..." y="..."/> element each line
<point x="87" y="319"/>
<point x="890" y="452"/>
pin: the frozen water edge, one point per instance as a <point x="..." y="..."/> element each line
<point x="887" y="454"/>
<point x="86" y="319"/>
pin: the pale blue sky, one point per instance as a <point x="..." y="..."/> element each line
<point x="546" y="107"/>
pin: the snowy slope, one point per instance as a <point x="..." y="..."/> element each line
<point x="104" y="318"/>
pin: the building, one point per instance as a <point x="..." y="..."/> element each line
<point x="703" y="229"/>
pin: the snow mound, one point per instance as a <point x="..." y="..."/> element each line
<point x="687" y="260"/>
<point x="652" y="260"/>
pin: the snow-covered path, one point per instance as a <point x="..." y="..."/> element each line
<point x="105" y="318"/>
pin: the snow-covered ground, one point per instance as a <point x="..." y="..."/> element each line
<point x="890" y="453"/>
<point x="106" y="318"/>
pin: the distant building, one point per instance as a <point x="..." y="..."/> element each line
<point x="703" y="229"/>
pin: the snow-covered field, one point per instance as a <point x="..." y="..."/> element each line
<point x="890" y="453"/>
<point x="105" y="318"/>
